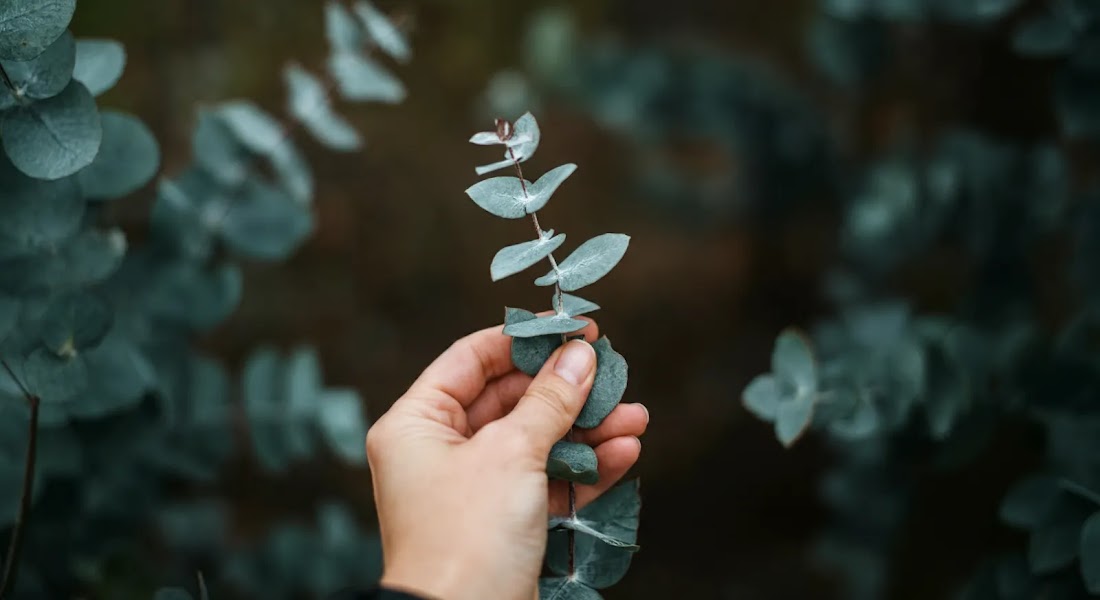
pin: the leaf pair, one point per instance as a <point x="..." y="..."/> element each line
<point x="788" y="394"/>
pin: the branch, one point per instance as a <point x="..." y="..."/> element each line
<point x="11" y="562"/>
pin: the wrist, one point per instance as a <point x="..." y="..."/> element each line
<point x="440" y="580"/>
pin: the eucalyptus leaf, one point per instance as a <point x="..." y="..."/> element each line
<point x="9" y="314"/>
<point x="608" y="387"/>
<point x="550" y="324"/>
<point x="529" y="354"/>
<point x="28" y="27"/>
<point x="310" y="106"/>
<point x="38" y="214"/>
<point x="99" y="64"/>
<point x="574" y="306"/>
<point x="512" y="198"/>
<point x="1090" y="553"/>
<point x="55" y="137"/>
<point x="264" y="223"/>
<point x="565" y="588"/>
<point x="1029" y="501"/>
<point x="793" y="362"/>
<point x="119" y="376"/>
<point x="571" y="461"/>
<point x="792" y="418"/>
<point x="54" y="379"/>
<point x="588" y="263"/>
<point x="382" y="31"/>
<point x="361" y="79"/>
<point x="260" y="400"/>
<point x="344" y="33"/>
<point x="762" y="397"/>
<point x="75" y="322"/>
<point x="128" y="158"/>
<point x="612" y="518"/>
<point x="516" y="258"/>
<point x="1055" y="545"/>
<point x="597" y="565"/>
<point x="44" y="76"/>
<point x="343" y="426"/>
<point x="261" y="134"/>
<point x="520" y="146"/>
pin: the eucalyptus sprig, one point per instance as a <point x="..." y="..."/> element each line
<point x="589" y="549"/>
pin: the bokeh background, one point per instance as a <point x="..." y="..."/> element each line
<point x="703" y="129"/>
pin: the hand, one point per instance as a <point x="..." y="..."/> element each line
<point x="459" y="467"/>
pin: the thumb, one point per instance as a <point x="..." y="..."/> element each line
<point x="552" y="402"/>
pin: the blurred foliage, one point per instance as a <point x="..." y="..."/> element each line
<point x="107" y="403"/>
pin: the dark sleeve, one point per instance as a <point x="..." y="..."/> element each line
<point x="374" y="594"/>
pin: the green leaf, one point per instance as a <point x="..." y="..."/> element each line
<point x="550" y="324"/>
<point x="1090" y="553"/>
<point x="54" y="379"/>
<point x="793" y="362"/>
<point x="612" y="518"/>
<point x="260" y="134"/>
<point x="75" y="322"/>
<point x="597" y="565"/>
<point x="264" y="223"/>
<point x="261" y="396"/>
<point x="9" y="314"/>
<point x="128" y="158"/>
<point x="99" y="64"/>
<point x="28" y="27"/>
<point x="565" y="588"/>
<point x="382" y="32"/>
<point x="361" y="79"/>
<point x="343" y="425"/>
<point x="55" y="137"/>
<point x="38" y="214"/>
<point x="511" y="198"/>
<point x="1044" y="36"/>
<point x="1029" y="501"/>
<point x="119" y="375"/>
<point x="341" y="29"/>
<point x="520" y="146"/>
<point x="607" y="389"/>
<point x="588" y="263"/>
<point x="575" y="306"/>
<point x="762" y="397"/>
<point x="793" y="418"/>
<point x="1055" y="545"/>
<point x="44" y="76"/>
<point x="516" y="258"/>
<point x="574" y="462"/>
<point x="529" y="354"/>
<point x="309" y="105"/>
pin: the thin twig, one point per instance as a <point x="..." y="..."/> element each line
<point x="11" y="562"/>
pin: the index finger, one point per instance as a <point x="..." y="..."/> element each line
<point x="462" y="370"/>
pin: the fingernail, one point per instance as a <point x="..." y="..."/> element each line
<point x="642" y="406"/>
<point x="575" y="361"/>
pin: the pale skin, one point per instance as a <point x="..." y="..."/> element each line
<point x="459" y="467"/>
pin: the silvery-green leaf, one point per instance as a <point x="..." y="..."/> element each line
<point x="793" y="418"/>
<point x="516" y="258"/>
<point x="543" y="189"/>
<point x="341" y="29"/>
<point x="1029" y="501"/>
<point x="597" y="565"/>
<point x="520" y="147"/>
<point x="119" y="375"/>
<point x="529" y="354"/>
<point x="575" y="306"/>
<point x="38" y="214"/>
<point x="340" y="415"/>
<point x="54" y="379"/>
<point x="762" y="397"/>
<point x="28" y="27"/>
<point x="588" y="263"/>
<point x="361" y="79"/>
<point x="574" y="462"/>
<point x="9" y="314"/>
<point x="55" y="137"/>
<point x="128" y="158"/>
<point x="75" y="322"/>
<point x="793" y="362"/>
<point x="99" y="64"/>
<point x="261" y="397"/>
<point x="550" y="324"/>
<point x="195" y="295"/>
<point x="309" y="104"/>
<point x="89" y="257"/>
<point x="501" y="196"/>
<point x="264" y="223"/>
<point x="382" y="31"/>
<point x="1055" y="545"/>
<point x="608" y="387"/>
<point x="486" y="138"/>
<point x="216" y="150"/>
<point x="1090" y="553"/>
<point x="261" y="134"/>
<point x="44" y="76"/>
<point x="565" y="588"/>
<point x="612" y="518"/>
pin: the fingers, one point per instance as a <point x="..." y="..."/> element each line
<point x="616" y="456"/>
<point x="554" y="399"/>
<point x="462" y="371"/>
<point x="626" y="419"/>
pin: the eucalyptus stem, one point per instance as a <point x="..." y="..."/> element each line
<point x="15" y="546"/>
<point x="560" y="306"/>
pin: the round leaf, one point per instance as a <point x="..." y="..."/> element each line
<point x="793" y="418"/>
<point x="55" y="137"/>
<point x="607" y="389"/>
<point x="99" y="64"/>
<point x="1090" y="553"/>
<point x="574" y="462"/>
<point x="361" y="79"/>
<point x="793" y="362"/>
<point x="128" y="158"/>
<point x="54" y="379"/>
<point x="38" y="214"/>
<point x="340" y="415"/>
<point x="529" y="354"/>
<point x="75" y="322"/>
<point x="44" y="76"/>
<point x="28" y="27"/>
<point x="762" y="397"/>
<point x="310" y="106"/>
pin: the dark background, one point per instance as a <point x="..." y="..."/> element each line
<point x="398" y="269"/>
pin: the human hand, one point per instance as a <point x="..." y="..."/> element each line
<point x="459" y="467"/>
